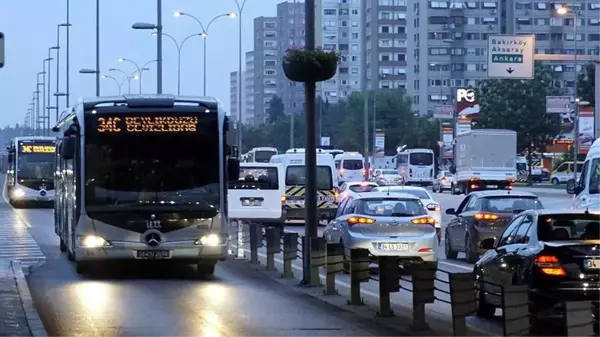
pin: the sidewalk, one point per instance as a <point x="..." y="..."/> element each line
<point x="13" y="320"/>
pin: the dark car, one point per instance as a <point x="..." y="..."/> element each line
<point x="556" y="253"/>
<point x="482" y="215"/>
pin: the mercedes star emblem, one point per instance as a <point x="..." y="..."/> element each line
<point x="152" y="217"/>
<point x="152" y="239"/>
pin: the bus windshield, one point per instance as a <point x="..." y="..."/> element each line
<point x="162" y="169"/>
<point x="263" y="156"/>
<point x="36" y="161"/>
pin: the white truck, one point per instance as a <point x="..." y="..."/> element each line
<point x="485" y="159"/>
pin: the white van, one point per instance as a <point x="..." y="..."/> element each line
<point x="259" y="194"/>
<point x="587" y="189"/>
<point x="350" y="166"/>
<point x="295" y="180"/>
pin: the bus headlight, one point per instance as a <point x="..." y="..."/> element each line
<point x="211" y="240"/>
<point x="92" y="241"/>
<point x="18" y="193"/>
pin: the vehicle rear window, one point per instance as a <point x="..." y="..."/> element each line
<point x="362" y="188"/>
<point x="389" y="172"/>
<point x="390" y="207"/>
<point x="296" y="176"/>
<point x="424" y="159"/>
<point x="353" y="164"/>
<point x="594" y="187"/>
<point x="263" y="156"/>
<point x="256" y="178"/>
<point x="509" y="204"/>
<point x="566" y="227"/>
<point x="394" y="189"/>
<point x="337" y="164"/>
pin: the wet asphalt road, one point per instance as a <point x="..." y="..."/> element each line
<point x="237" y="301"/>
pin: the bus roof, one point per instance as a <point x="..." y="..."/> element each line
<point x="151" y="101"/>
<point x="264" y="148"/>
<point x="416" y="151"/>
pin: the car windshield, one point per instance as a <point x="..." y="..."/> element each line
<point x="256" y="178"/>
<point x="153" y="169"/>
<point x="362" y="188"/>
<point x="389" y="173"/>
<point x="35" y="161"/>
<point x="509" y="204"/>
<point x="394" y="189"/>
<point x="390" y="207"/>
<point x="296" y="175"/>
<point x="421" y="159"/>
<point x="352" y="164"/>
<point x="263" y="156"/>
<point x="594" y="187"/>
<point x="566" y="227"/>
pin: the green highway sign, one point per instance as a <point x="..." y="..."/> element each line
<point x="510" y="56"/>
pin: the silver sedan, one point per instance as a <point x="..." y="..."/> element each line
<point x="386" y="225"/>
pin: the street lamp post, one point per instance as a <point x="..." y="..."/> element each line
<point x="115" y="80"/>
<point x="46" y="112"/>
<point x="204" y="34"/>
<point x="240" y="7"/>
<point x="563" y="11"/>
<point x="159" y="28"/>
<point x="40" y="114"/>
<point x="97" y="48"/>
<point x="139" y="70"/>
<point x="66" y="25"/>
<point x="127" y="77"/>
<point x="179" y="47"/>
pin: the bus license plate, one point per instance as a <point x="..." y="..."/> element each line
<point x="592" y="263"/>
<point x="492" y="186"/>
<point x="153" y="254"/>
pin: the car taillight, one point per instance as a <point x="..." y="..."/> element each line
<point x="424" y="221"/>
<point x="364" y="171"/>
<point x="443" y="180"/>
<point x="485" y="216"/>
<point x="550" y="265"/>
<point x="353" y="220"/>
<point x="474" y="186"/>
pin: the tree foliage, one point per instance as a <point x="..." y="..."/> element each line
<point x="520" y="105"/>
<point x="587" y="83"/>
<point x="343" y="122"/>
<point x="275" y="110"/>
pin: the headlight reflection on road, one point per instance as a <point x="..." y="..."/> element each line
<point x="214" y="293"/>
<point x="95" y="296"/>
<point x="210" y="325"/>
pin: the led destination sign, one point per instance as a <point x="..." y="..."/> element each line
<point x="30" y="148"/>
<point x="152" y="124"/>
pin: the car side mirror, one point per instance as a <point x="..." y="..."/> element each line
<point x="327" y="216"/>
<point x="233" y="169"/>
<point x="68" y="148"/>
<point x="451" y="211"/>
<point x="487" y="243"/>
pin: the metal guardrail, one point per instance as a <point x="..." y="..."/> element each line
<point x="429" y="284"/>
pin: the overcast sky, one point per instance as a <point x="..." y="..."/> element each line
<point x="30" y="29"/>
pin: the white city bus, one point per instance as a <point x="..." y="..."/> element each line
<point x="30" y="170"/>
<point x="416" y="166"/>
<point x="260" y="154"/>
<point x="144" y="177"/>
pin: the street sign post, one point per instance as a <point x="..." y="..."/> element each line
<point x="559" y="104"/>
<point x="1" y="49"/>
<point x="510" y="56"/>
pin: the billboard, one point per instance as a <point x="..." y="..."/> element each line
<point x="586" y="129"/>
<point x="444" y="112"/>
<point x="466" y="103"/>
<point x="463" y="126"/>
<point x="559" y="104"/>
<point x="447" y="139"/>
<point x="379" y="143"/>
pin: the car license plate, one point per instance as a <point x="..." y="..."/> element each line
<point x="492" y="186"/>
<point x="592" y="263"/>
<point x="153" y="254"/>
<point x="393" y="247"/>
<point x="294" y="202"/>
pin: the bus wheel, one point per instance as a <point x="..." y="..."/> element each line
<point x="62" y="246"/>
<point x="206" y="268"/>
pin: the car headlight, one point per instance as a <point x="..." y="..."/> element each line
<point x="18" y="193"/>
<point x="92" y="241"/>
<point x="211" y="240"/>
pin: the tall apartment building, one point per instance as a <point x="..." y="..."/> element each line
<point x="338" y="25"/>
<point x="291" y="34"/>
<point x="234" y="94"/>
<point x="448" y="47"/>
<point x="248" y="115"/>
<point x="266" y="65"/>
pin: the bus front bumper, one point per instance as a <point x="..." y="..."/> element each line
<point x="173" y="251"/>
<point x="28" y="195"/>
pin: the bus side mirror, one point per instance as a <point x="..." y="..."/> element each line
<point x="233" y="169"/>
<point x="68" y="148"/>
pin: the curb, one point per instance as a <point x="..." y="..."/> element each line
<point x="36" y="327"/>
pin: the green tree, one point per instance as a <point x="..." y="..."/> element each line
<point x="276" y="110"/>
<point x="587" y="83"/>
<point x="519" y="105"/>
